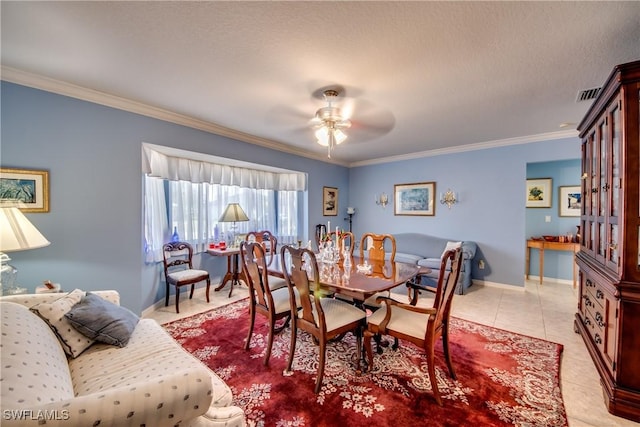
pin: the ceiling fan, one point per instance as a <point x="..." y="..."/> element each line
<point x="344" y="112"/>
<point x="329" y="122"/>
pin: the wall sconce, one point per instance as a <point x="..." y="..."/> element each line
<point x="449" y="198"/>
<point x="382" y="200"/>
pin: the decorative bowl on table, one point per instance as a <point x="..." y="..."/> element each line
<point x="550" y="238"/>
<point x="364" y="268"/>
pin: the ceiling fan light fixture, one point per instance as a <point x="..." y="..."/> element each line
<point x="322" y="135"/>
<point x="339" y="136"/>
<point x="330" y="123"/>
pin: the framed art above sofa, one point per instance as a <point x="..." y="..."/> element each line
<point x="414" y="199"/>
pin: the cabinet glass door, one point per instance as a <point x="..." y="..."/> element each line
<point x="613" y="187"/>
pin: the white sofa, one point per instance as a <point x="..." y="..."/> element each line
<point x="152" y="381"/>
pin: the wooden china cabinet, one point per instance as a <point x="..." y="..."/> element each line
<point x="608" y="315"/>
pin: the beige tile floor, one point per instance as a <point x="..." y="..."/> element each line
<point x="545" y="311"/>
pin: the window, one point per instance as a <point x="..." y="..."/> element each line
<point x="194" y="209"/>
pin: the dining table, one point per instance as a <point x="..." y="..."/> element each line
<point x="361" y="278"/>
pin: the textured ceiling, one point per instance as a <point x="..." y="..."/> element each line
<point x="419" y="77"/>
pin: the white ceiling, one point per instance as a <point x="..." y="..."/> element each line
<point x="426" y="77"/>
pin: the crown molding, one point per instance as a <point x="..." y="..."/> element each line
<point x="48" y="84"/>
<point x="59" y="87"/>
<point x="550" y="136"/>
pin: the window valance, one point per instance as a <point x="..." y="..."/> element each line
<point x="181" y="165"/>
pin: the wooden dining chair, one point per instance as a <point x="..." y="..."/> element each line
<point x="377" y="247"/>
<point x="177" y="259"/>
<point x="322" y="317"/>
<point x="268" y="241"/>
<point x="273" y="304"/>
<point x="270" y="244"/>
<point x="422" y="326"/>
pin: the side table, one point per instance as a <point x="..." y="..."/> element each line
<point x="234" y="272"/>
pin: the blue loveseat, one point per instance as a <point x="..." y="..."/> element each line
<point x="426" y="251"/>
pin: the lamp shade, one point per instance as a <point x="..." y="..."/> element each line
<point x="233" y="213"/>
<point x="17" y="233"/>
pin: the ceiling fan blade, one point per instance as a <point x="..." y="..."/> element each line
<point x="369" y="121"/>
<point x="286" y="116"/>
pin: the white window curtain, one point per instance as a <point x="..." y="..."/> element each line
<point x="156" y="228"/>
<point x="196" y="208"/>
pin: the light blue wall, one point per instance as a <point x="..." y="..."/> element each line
<point x="491" y="211"/>
<point x="93" y="155"/>
<point x="563" y="173"/>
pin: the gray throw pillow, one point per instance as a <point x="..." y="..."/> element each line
<point x="102" y="320"/>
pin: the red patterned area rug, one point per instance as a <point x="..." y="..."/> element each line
<point x="503" y="378"/>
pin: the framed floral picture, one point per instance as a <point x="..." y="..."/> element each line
<point x="329" y="201"/>
<point x="30" y="188"/>
<point x="570" y="200"/>
<point x="414" y="199"/>
<point x="539" y="192"/>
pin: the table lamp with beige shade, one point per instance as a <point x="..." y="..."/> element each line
<point x="233" y="213"/>
<point x="17" y="233"/>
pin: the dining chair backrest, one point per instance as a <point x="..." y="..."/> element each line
<point x="300" y="270"/>
<point x="268" y="241"/>
<point x="372" y="246"/>
<point x="176" y="255"/>
<point x="446" y="286"/>
<point x="255" y="267"/>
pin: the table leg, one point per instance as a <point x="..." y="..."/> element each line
<point x="227" y="276"/>
<point x="541" y="264"/>
<point x="527" y="262"/>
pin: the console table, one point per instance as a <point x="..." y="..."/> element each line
<point x="543" y="245"/>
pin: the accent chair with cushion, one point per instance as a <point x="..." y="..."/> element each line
<point x="179" y="271"/>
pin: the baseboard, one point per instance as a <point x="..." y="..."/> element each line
<point x="495" y="285"/>
<point x="536" y="279"/>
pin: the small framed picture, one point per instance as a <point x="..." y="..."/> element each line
<point x="570" y="200"/>
<point x="30" y="188"/>
<point x="414" y="199"/>
<point x="329" y="201"/>
<point x="538" y="193"/>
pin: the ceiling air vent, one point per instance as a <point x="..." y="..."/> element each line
<point x="588" y="94"/>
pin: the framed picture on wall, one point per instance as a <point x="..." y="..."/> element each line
<point x="30" y="188"/>
<point x="414" y="199"/>
<point x="538" y="192"/>
<point x="329" y="201"/>
<point x="570" y="200"/>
